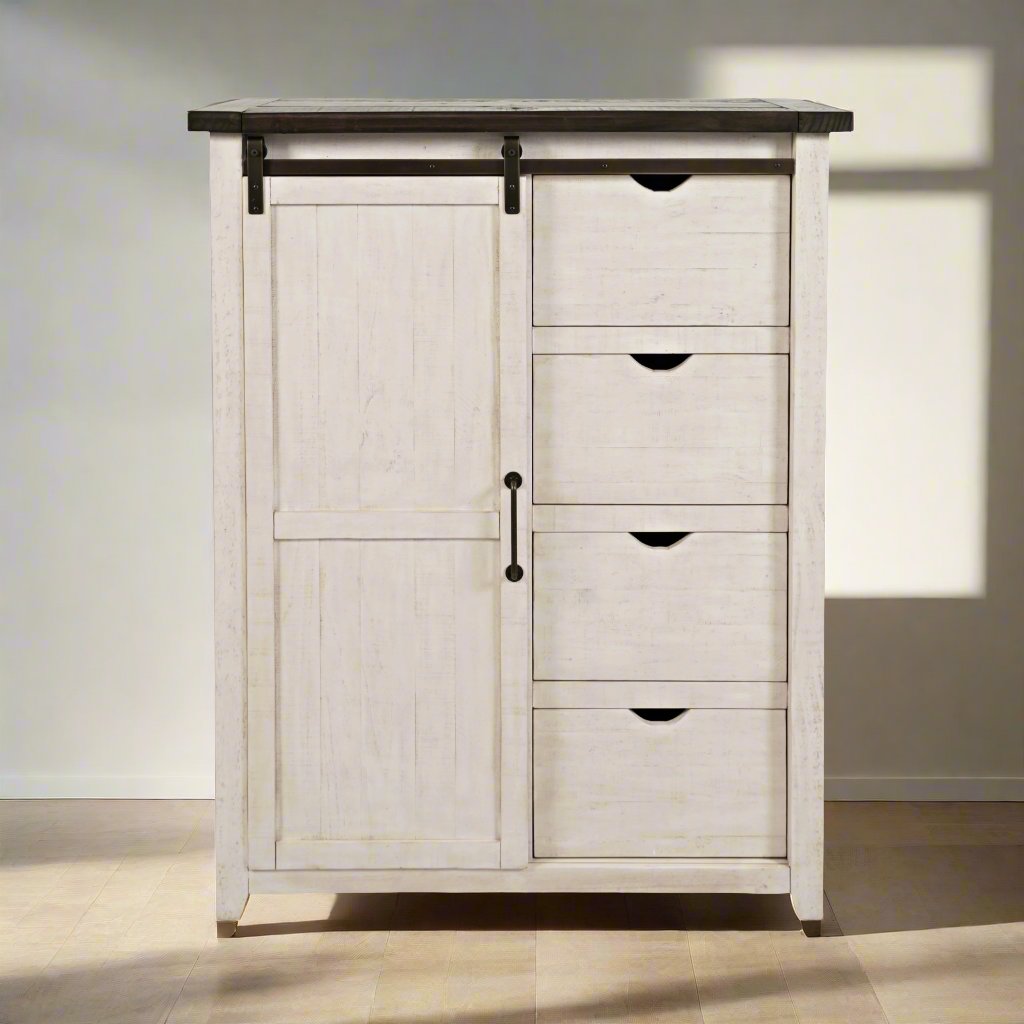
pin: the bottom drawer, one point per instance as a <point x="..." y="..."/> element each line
<point x="707" y="783"/>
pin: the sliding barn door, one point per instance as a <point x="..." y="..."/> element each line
<point x="386" y="391"/>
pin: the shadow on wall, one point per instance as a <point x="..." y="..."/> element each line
<point x="108" y="394"/>
<point x="924" y="654"/>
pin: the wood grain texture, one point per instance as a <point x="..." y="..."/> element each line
<point x="382" y="331"/>
<point x="713" y="251"/>
<point x="710" y="431"/>
<point x="371" y="525"/>
<point x="386" y="355"/>
<point x="807" y="525"/>
<point x="669" y="875"/>
<point x="516" y="443"/>
<point x="631" y="693"/>
<point x="385" y="854"/>
<point x="374" y="191"/>
<point x="660" y="340"/>
<point x="711" y="607"/>
<point x="388" y="688"/>
<point x="660" y="518"/>
<point x="709" y="783"/>
<point x="516" y="116"/>
<point x="229" y="628"/>
<point x="259" y="510"/>
<point x="299" y="698"/>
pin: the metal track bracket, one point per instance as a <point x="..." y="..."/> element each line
<point x="255" y="151"/>
<point x="511" y="152"/>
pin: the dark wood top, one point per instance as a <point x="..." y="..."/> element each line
<point x="271" y="116"/>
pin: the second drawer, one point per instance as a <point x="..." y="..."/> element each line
<point x="609" y="429"/>
<point x="708" y="606"/>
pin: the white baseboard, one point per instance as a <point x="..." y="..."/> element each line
<point x="851" y="787"/>
<point x="106" y="787"/>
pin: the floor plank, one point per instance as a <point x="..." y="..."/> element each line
<point x="106" y="911"/>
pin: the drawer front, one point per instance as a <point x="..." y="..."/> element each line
<point x="611" y="429"/>
<point x="714" y="250"/>
<point x="712" y="606"/>
<point x="710" y="783"/>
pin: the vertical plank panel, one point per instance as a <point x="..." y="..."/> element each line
<point x="388" y="704"/>
<point x="338" y="339"/>
<point x="259" y="510"/>
<point x="434" y="450"/>
<point x="807" y="523"/>
<point x="228" y="524"/>
<point x="475" y="776"/>
<point x="296" y="392"/>
<point x="433" y="688"/>
<point x="386" y="362"/>
<point x="343" y="791"/>
<point x="515" y="316"/>
<point x="298" y="688"/>
<point x="475" y="367"/>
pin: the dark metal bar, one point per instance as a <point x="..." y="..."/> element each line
<point x="514" y="571"/>
<point x="255" y="150"/>
<point x="511" y="152"/>
<point x="496" y="168"/>
<point x="628" y="165"/>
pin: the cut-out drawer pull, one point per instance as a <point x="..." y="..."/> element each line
<point x="659" y="540"/>
<point x="660" y="182"/>
<point x="659" y="714"/>
<point x="658" y="362"/>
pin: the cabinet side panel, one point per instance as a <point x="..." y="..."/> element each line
<point x="807" y="523"/>
<point x="259" y="514"/>
<point x="228" y="524"/>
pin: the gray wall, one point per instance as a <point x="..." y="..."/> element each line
<point x="106" y="648"/>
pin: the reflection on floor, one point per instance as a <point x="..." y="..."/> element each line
<point x="106" y="915"/>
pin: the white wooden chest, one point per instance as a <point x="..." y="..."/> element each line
<point x="519" y="435"/>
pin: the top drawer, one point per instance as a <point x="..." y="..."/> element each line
<point x="713" y="250"/>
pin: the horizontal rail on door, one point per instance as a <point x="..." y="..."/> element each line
<point x="300" y="168"/>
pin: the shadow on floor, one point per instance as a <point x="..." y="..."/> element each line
<point x="145" y="987"/>
<point x="529" y="912"/>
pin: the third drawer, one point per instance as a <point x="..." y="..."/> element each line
<point x="687" y="606"/>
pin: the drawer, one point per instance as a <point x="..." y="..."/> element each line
<point x="708" y="783"/>
<point x="705" y="606"/>
<point x="714" y="250"/>
<point x="699" y="429"/>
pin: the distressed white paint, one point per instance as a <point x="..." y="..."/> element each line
<point x="710" y="783"/>
<point x="668" y="875"/>
<point x="714" y="250"/>
<point x="710" y="607"/>
<point x="806" y="627"/>
<point x="709" y="431"/>
<point x="230" y="838"/>
<point x="659" y="340"/>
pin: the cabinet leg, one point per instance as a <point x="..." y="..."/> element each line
<point x="812" y="929"/>
<point x="228" y="924"/>
<point x="232" y="896"/>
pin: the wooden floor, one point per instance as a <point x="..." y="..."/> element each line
<point x="106" y="915"/>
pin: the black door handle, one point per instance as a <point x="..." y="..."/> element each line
<point x="514" y="571"/>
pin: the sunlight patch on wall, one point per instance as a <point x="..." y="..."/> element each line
<point x="914" y="107"/>
<point x="907" y="394"/>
